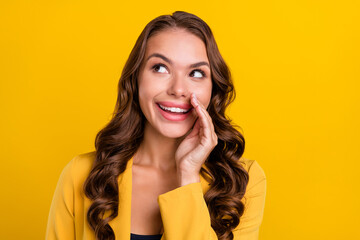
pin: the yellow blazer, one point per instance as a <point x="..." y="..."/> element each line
<point x="184" y="213"/>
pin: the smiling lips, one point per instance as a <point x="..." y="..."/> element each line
<point x="174" y="111"/>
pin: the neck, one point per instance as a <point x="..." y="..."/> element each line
<point x="157" y="151"/>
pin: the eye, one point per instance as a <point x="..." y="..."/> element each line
<point x="201" y="72"/>
<point x="159" y="65"/>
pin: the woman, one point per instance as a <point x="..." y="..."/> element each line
<point x="168" y="165"/>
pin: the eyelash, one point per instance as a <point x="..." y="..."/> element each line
<point x="162" y="65"/>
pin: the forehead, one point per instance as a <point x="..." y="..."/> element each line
<point x="178" y="45"/>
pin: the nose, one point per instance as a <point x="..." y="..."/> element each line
<point x="177" y="86"/>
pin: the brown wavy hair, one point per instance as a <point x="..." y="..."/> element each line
<point x="119" y="140"/>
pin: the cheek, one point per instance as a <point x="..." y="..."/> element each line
<point x="143" y="85"/>
<point x="204" y="94"/>
<point x="143" y="94"/>
<point x="148" y="90"/>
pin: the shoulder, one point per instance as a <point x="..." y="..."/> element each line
<point x="253" y="167"/>
<point x="80" y="166"/>
<point x="257" y="177"/>
<point x="254" y="201"/>
<point x="83" y="161"/>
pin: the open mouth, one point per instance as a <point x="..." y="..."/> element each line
<point x="178" y="111"/>
<point x="174" y="114"/>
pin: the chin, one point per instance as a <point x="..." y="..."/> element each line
<point x="175" y="133"/>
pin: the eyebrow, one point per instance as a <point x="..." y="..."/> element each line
<point x="194" y="65"/>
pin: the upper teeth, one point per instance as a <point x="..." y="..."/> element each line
<point x="173" y="109"/>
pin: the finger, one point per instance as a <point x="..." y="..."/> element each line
<point x="210" y="123"/>
<point x="213" y="133"/>
<point x="209" y="119"/>
<point x="201" y="105"/>
<point x="204" y="121"/>
<point x="207" y="116"/>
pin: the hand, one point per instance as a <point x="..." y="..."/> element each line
<point x="195" y="148"/>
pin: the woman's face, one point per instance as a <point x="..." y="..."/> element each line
<point x="175" y="65"/>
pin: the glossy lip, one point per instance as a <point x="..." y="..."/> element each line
<point x="184" y="106"/>
<point x="173" y="116"/>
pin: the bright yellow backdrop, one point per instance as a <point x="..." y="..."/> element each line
<point x="295" y="66"/>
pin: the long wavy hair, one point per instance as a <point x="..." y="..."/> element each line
<point x="119" y="140"/>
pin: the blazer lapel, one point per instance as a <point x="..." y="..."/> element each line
<point x="121" y="224"/>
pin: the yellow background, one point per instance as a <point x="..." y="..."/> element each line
<point x="295" y="66"/>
